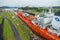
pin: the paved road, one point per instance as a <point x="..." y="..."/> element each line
<point x="16" y="34"/>
<point x="1" y="29"/>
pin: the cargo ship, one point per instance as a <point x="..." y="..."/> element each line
<point x="44" y="25"/>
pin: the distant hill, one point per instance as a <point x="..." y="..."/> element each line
<point x="56" y="7"/>
<point x="5" y="7"/>
<point x="28" y="7"/>
<point x="8" y="7"/>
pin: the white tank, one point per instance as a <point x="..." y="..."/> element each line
<point x="56" y="22"/>
<point x="55" y="28"/>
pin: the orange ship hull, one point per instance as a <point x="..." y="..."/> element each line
<point x="41" y="32"/>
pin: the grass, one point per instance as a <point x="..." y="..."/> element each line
<point x="1" y="14"/>
<point x="24" y="27"/>
<point x="23" y="24"/>
<point x="34" y="11"/>
<point x="0" y="19"/>
<point x="21" y="32"/>
<point x="7" y="33"/>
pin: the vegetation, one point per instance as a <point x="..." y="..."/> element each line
<point x="7" y="32"/>
<point x="19" y="28"/>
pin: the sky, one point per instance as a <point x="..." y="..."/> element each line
<point x="30" y="3"/>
